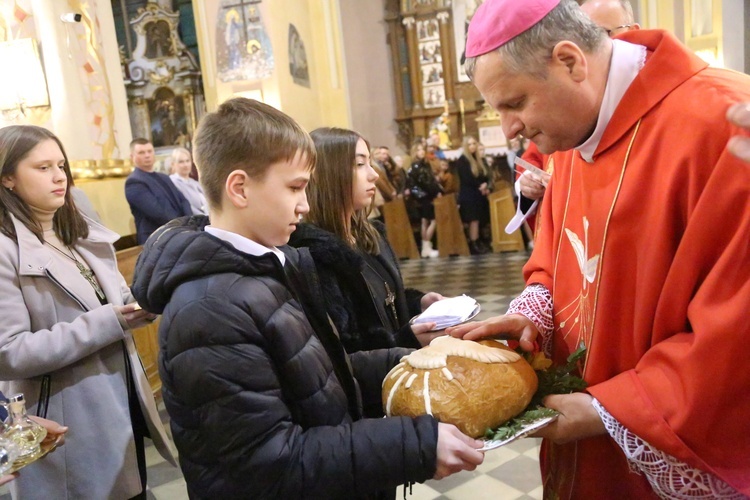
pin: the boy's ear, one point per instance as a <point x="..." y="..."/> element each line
<point x="236" y="188"/>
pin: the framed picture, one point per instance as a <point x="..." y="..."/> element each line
<point x="434" y="96"/>
<point x="432" y="73"/>
<point x="428" y="29"/>
<point x="429" y="52"/>
<point x="463" y="11"/>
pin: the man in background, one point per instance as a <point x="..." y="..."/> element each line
<point x="153" y="198"/>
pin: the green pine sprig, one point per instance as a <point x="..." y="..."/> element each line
<point x="553" y="380"/>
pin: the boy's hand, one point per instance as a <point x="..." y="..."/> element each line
<point x="456" y="451"/>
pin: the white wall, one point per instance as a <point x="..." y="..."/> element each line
<point x="368" y="70"/>
<point x="733" y="29"/>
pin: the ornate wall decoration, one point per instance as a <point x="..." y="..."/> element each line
<point x="163" y="80"/>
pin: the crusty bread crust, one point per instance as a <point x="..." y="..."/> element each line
<point x="471" y="395"/>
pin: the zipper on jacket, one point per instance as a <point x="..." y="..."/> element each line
<point x="67" y="292"/>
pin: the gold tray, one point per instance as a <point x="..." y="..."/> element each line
<point x="46" y="447"/>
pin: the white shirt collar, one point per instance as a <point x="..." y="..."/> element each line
<point x="243" y="244"/>
<point x="627" y="60"/>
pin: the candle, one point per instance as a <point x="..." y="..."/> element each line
<point x="446" y="106"/>
<point x="461" y="105"/>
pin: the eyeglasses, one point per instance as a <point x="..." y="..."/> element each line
<point x="609" y="32"/>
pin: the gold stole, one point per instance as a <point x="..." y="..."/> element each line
<point x="592" y="195"/>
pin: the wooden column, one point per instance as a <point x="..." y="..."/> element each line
<point x="416" y="79"/>
<point x="446" y="43"/>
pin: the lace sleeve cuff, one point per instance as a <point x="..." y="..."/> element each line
<point x="669" y="477"/>
<point x="535" y="302"/>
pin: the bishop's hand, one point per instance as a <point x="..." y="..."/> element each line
<point x="506" y="326"/>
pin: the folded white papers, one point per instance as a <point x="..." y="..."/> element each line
<point x="448" y="312"/>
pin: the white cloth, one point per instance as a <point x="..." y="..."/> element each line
<point x="193" y="192"/>
<point x="245" y="244"/>
<point x="627" y="60"/>
<point x="668" y="477"/>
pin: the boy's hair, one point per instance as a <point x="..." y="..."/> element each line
<point x="16" y="142"/>
<point x="248" y="135"/>
<point x="330" y="189"/>
<point x="138" y="141"/>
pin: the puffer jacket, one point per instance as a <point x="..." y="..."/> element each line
<point x="355" y="302"/>
<point x="263" y="400"/>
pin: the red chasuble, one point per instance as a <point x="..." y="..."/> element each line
<point x="647" y="254"/>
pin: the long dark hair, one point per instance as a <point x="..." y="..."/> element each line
<point x="16" y="141"/>
<point x="330" y="189"/>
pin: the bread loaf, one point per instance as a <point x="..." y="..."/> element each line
<point x="473" y="385"/>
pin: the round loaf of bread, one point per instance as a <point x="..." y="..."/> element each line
<point x="473" y="385"/>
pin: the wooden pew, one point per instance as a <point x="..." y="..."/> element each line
<point x="451" y="239"/>
<point x="147" y="337"/>
<point x="398" y="229"/>
<point x="502" y="210"/>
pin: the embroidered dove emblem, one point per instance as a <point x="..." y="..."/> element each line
<point x="586" y="265"/>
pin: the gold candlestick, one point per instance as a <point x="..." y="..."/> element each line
<point x="463" y="120"/>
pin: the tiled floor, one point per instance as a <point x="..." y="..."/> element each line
<point x="510" y="472"/>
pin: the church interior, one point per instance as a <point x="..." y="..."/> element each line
<point x="100" y="73"/>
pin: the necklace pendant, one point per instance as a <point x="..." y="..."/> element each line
<point x="88" y="275"/>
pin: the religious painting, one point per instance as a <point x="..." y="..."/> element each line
<point x="433" y="96"/>
<point x="168" y="119"/>
<point x="429" y="52"/>
<point x="427" y="29"/>
<point x="463" y="11"/>
<point x="298" y="58"/>
<point x="243" y="47"/>
<point x="159" y="40"/>
<point x="432" y="73"/>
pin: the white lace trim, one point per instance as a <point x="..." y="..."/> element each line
<point x="669" y="477"/>
<point x="535" y="302"/>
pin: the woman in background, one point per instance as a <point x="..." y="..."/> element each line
<point x="182" y="164"/>
<point x="472" y="193"/>
<point x="65" y="340"/>
<point x="364" y="291"/>
<point x="424" y="188"/>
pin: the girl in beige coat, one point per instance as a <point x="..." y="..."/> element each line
<point x="64" y="330"/>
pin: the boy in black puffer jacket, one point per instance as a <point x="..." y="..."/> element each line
<point x="263" y="400"/>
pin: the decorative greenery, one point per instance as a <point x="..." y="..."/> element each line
<point x="552" y="380"/>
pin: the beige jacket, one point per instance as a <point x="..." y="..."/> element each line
<point x="57" y="347"/>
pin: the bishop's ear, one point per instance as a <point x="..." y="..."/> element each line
<point x="571" y="58"/>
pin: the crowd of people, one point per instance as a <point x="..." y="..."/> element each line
<point x="273" y="350"/>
